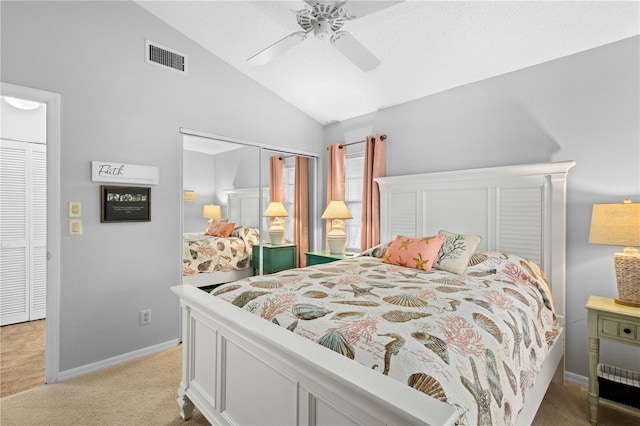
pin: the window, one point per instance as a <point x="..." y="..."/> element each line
<point x="354" y="173"/>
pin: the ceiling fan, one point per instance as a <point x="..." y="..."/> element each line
<point x="324" y="19"/>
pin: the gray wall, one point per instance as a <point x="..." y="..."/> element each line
<point x="197" y="175"/>
<point x="237" y="169"/>
<point x="583" y="107"/>
<point x="115" y="107"/>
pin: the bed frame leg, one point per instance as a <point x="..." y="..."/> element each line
<point x="185" y="404"/>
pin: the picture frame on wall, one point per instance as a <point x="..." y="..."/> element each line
<point x="125" y="204"/>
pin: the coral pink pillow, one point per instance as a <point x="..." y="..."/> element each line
<point x="220" y="229"/>
<point x="419" y="253"/>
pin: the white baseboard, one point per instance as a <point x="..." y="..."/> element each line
<point x="95" y="366"/>
<point x="576" y="378"/>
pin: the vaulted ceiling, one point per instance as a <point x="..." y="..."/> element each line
<point x="425" y="47"/>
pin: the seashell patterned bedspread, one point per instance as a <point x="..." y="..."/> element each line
<point x="204" y="253"/>
<point x="475" y="341"/>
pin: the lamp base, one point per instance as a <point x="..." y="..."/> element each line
<point x="276" y="235"/>
<point x="337" y="240"/>
<point x="627" y="266"/>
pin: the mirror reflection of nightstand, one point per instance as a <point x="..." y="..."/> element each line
<point x="275" y="258"/>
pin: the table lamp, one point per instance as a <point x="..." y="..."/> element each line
<point x="619" y="225"/>
<point x="211" y="212"/>
<point x="276" y="233"/>
<point x="337" y="211"/>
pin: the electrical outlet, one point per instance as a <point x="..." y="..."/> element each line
<point x="145" y="317"/>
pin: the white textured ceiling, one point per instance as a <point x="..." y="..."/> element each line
<point x="425" y="46"/>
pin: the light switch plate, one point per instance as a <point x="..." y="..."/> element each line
<point x="75" y="209"/>
<point x="75" y="227"/>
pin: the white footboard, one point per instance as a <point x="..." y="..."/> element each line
<point x="240" y="369"/>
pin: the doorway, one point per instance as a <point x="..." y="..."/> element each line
<point x="52" y="253"/>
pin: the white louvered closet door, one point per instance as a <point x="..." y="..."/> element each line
<point x="23" y="227"/>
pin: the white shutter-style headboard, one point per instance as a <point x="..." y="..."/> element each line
<point x="243" y="206"/>
<point x="517" y="209"/>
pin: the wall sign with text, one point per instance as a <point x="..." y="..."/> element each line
<point x="106" y="171"/>
<point x="125" y="204"/>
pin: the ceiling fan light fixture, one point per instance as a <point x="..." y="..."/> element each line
<point x="322" y="29"/>
<point x="325" y="19"/>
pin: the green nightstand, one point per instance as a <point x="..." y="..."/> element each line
<point x="275" y="258"/>
<point x="320" y="257"/>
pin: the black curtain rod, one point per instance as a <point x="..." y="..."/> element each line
<point x="382" y="137"/>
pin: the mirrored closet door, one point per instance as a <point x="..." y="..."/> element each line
<point x="247" y="209"/>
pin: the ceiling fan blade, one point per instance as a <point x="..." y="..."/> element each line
<point x="358" y="9"/>
<point x="277" y="48"/>
<point x="354" y="51"/>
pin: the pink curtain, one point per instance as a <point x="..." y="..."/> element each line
<point x="276" y="178"/>
<point x="335" y="178"/>
<point x="374" y="166"/>
<point x="276" y="181"/>
<point x="301" y="209"/>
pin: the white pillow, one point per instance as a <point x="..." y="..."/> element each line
<point x="456" y="251"/>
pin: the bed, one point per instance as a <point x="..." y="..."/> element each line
<point x="209" y="260"/>
<point x="234" y="359"/>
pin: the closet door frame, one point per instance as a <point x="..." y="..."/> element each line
<point x="266" y="149"/>
<point x="54" y="220"/>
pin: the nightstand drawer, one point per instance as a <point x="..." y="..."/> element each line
<point x="619" y="329"/>
<point x="275" y="258"/>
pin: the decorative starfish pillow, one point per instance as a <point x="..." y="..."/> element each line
<point x="220" y="229"/>
<point x="418" y="253"/>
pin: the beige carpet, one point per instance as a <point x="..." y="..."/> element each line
<point x="21" y="357"/>
<point x="139" y="392"/>
<point x="143" y="392"/>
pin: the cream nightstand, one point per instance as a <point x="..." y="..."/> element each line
<point x="608" y="320"/>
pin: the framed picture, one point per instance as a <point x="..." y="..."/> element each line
<point x="125" y="204"/>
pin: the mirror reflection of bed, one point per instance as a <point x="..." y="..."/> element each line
<point x="233" y="180"/>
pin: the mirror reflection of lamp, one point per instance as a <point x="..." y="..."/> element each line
<point x="337" y="211"/>
<point x="619" y="225"/>
<point x="276" y="233"/>
<point x="211" y="212"/>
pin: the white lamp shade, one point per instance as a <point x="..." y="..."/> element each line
<point x="336" y="209"/>
<point x="276" y="209"/>
<point x="211" y="211"/>
<point x="616" y="224"/>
